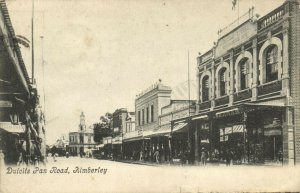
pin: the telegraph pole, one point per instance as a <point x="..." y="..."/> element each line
<point x="189" y="121"/>
<point x="32" y="42"/>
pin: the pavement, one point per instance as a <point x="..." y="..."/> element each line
<point x="197" y="165"/>
<point x="142" y="177"/>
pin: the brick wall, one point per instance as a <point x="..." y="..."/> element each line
<point x="295" y="74"/>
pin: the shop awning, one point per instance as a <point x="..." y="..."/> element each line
<point x="133" y="135"/>
<point x="100" y="146"/>
<point x="116" y="142"/>
<point x="147" y="133"/>
<point x="200" y="117"/>
<point x="179" y="127"/>
<point x="8" y="127"/>
<point x="265" y="105"/>
<point x="275" y="103"/>
<point x="163" y="130"/>
<point x="133" y="139"/>
<point x="238" y="128"/>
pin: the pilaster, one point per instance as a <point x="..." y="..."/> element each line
<point x="231" y="77"/>
<point x="213" y="85"/>
<point x="285" y="60"/>
<point x="254" y="70"/>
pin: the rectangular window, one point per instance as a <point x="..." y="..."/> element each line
<point x="152" y="113"/>
<point x="139" y="117"/>
<point x="147" y="114"/>
<point x="222" y="82"/>
<point x="143" y="116"/>
<point x="205" y="89"/>
<point x="243" y="72"/>
<point x="81" y="138"/>
<point x="272" y="64"/>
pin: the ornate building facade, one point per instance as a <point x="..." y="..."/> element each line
<point x="249" y="89"/>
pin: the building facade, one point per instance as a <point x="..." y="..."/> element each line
<point x="174" y="134"/>
<point x="148" y="106"/>
<point x="130" y="122"/>
<point x="22" y="132"/>
<point x="81" y="142"/>
<point x="118" y="125"/>
<point x="248" y="92"/>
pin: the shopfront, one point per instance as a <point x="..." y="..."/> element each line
<point x="265" y="136"/>
<point x="232" y="134"/>
<point x="12" y="142"/>
<point x="248" y="134"/>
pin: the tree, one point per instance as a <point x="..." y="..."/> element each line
<point x="103" y="129"/>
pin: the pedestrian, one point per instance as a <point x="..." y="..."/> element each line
<point x="231" y="156"/>
<point x="54" y="157"/>
<point x="227" y="157"/>
<point x="141" y="155"/>
<point x="156" y="155"/>
<point x="203" y="156"/>
<point x="1" y="159"/>
<point x="182" y="157"/>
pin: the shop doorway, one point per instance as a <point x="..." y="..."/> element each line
<point x="273" y="147"/>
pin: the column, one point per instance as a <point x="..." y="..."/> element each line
<point x="196" y="144"/>
<point x="254" y="70"/>
<point x="211" y="126"/>
<point x="285" y="61"/>
<point x="213" y="86"/>
<point x="288" y="138"/>
<point x="170" y="149"/>
<point x="231" y="77"/>
<point x="245" y="137"/>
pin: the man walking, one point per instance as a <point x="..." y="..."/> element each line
<point x="203" y="156"/>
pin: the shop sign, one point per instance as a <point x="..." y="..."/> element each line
<point x="205" y="126"/>
<point x="5" y="104"/>
<point x="205" y="141"/>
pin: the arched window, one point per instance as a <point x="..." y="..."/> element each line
<point x="205" y="89"/>
<point x="272" y="63"/>
<point x="222" y="81"/>
<point x="244" y="65"/>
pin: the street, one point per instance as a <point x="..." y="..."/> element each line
<point x="94" y="175"/>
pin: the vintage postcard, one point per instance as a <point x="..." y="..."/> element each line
<point x="149" y="96"/>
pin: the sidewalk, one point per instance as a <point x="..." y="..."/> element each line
<point x="197" y="165"/>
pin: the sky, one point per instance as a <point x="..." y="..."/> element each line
<point x="98" y="54"/>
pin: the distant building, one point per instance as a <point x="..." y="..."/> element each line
<point x="118" y="125"/>
<point x="61" y="145"/>
<point x="130" y="122"/>
<point x="81" y="142"/>
<point x="148" y="106"/>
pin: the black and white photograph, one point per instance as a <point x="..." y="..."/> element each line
<point x="149" y="96"/>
